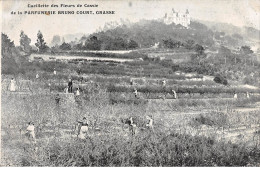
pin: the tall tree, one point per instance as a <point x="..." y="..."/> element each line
<point x="225" y="53"/>
<point x="189" y="44"/>
<point x="246" y="52"/>
<point x="9" y="56"/>
<point x="199" y="49"/>
<point x="41" y="44"/>
<point x="7" y="46"/>
<point x="25" y="42"/>
<point x="132" y="44"/>
<point x="65" y="46"/>
<point x="93" y="43"/>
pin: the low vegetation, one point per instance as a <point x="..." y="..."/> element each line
<point x="114" y="145"/>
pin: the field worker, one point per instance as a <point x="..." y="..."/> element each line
<point x="70" y="86"/>
<point x="235" y="96"/>
<point x="150" y="122"/>
<point x="82" y="128"/>
<point x="81" y="79"/>
<point x="77" y="92"/>
<point x="49" y="86"/>
<point x="12" y="85"/>
<point x="135" y="93"/>
<point x="247" y="95"/>
<point x="30" y="132"/>
<point x="131" y="82"/>
<point x="37" y="76"/>
<point x="66" y="90"/>
<point x="57" y="99"/>
<point x="163" y="82"/>
<point x="132" y="125"/>
<point x="174" y="94"/>
<point x="79" y="71"/>
<point x="54" y="72"/>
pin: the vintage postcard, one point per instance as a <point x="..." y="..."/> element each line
<point x="149" y="83"/>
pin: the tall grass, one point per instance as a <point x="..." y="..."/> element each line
<point x="142" y="150"/>
<point x="170" y="144"/>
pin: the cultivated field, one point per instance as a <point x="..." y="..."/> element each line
<point x="205" y="126"/>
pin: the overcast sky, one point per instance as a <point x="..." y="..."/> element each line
<point x="236" y="12"/>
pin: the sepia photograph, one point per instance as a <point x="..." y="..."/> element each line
<point x="134" y="83"/>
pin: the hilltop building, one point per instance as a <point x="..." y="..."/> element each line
<point x="177" y="18"/>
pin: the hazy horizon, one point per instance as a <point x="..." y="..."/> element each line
<point x="237" y="13"/>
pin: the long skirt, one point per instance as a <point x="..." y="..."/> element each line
<point x="12" y="87"/>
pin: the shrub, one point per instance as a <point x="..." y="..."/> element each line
<point x="218" y="119"/>
<point x="221" y="80"/>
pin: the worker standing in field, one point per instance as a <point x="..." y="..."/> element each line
<point x="30" y="132"/>
<point x="37" y="76"/>
<point x="77" y="98"/>
<point x="247" y="95"/>
<point x="131" y="82"/>
<point x="132" y="126"/>
<point x="149" y="123"/>
<point x="235" y="96"/>
<point x="49" y="86"/>
<point x="12" y="85"/>
<point x="163" y="83"/>
<point x="82" y="128"/>
<point x="174" y="94"/>
<point x="54" y="71"/>
<point x="77" y="92"/>
<point x="57" y="99"/>
<point x="135" y="93"/>
<point x="70" y="84"/>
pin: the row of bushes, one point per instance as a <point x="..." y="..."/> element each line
<point x="182" y="101"/>
<point x="179" y="89"/>
<point x="130" y="55"/>
<point x="148" y="89"/>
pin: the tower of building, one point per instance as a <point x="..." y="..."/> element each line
<point x="177" y="18"/>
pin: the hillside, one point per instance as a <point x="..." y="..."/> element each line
<point x="146" y="33"/>
<point x="247" y="33"/>
<point x="197" y="49"/>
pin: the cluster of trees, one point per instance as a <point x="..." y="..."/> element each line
<point x="41" y="44"/>
<point x="13" y="57"/>
<point x="7" y="46"/>
<point x="104" y="42"/>
<point x="139" y="35"/>
<point x="189" y="45"/>
<point x="25" y="42"/>
<point x="9" y="54"/>
<point x="224" y="64"/>
<point x="171" y="44"/>
<point x="143" y="34"/>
